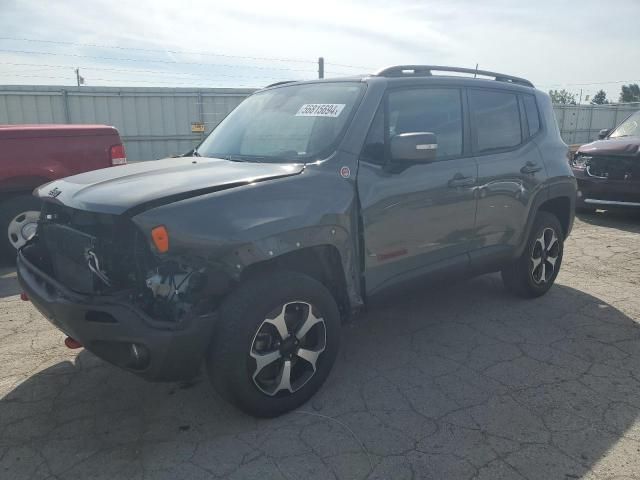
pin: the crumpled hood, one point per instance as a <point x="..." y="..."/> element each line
<point x="115" y="190"/>
<point x="625" y="146"/>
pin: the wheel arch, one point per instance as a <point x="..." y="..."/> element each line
<point x="322" y="262"/>
<point x="562" y="209"/>
<point x="558" y="202"/>
<point x="20" y="185"/>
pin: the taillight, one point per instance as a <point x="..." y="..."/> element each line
<point x="118" y="155"/>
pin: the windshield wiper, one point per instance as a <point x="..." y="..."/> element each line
<point x="238" y="158"/>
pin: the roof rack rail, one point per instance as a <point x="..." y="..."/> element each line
<point x="284" y="82"/>
<point x="426" y="71"/>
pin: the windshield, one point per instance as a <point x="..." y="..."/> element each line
<point x="289" y="124"/>
<point x="629" y="128"/>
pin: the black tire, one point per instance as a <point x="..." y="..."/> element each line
<point x="10" y="209"/>
<point x="520" y="277"/>
<point x="242" y="316"/>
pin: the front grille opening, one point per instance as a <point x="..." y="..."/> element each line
<point x="97" y="316"/>
<point x="91" y="253"/>
<point x="614" y="168"/>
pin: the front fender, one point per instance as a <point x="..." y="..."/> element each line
<point x="234" y="229"/>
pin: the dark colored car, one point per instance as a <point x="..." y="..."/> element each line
<point x="31" y="155"/>
<point x="308" y="201"/>
<point x="608" y="170"/>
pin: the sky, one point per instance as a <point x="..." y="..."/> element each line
<point x="572" y="44"/>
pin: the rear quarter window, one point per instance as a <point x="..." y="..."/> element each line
<point x="532" y="114"/>
<point x="495" y="120"/>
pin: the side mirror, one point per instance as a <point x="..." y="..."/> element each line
<point x="414" y="147"/>
<point x="603" y="133"/>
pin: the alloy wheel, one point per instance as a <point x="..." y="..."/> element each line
<point x="286" y="348"/>
<point x="544" y="256"/>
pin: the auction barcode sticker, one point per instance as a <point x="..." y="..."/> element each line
<point x="320" y="110"/>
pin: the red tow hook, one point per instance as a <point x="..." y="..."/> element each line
<point x="24" y="297"/>
<point x="72" y="343"/>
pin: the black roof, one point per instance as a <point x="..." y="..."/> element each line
<point x="416" y="74"/>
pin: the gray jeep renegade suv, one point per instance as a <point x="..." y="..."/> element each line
<point x="305" y="203"/>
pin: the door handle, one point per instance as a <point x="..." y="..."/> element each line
<point x="460" y="180"/>
<point x="530" y="167"/>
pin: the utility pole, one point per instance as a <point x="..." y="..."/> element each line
<point x="79" y="78"/>
<point x="321" y="67"/>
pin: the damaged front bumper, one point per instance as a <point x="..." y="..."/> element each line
<point x="608" y="182"/>
<point x="116" y="330"/>
<point x="606" y="194"/>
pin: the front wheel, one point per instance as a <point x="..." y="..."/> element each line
<point x="275" y="344"/>
<point x="533" y="273"/>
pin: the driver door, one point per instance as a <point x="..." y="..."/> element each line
<point x="421" y="218"/>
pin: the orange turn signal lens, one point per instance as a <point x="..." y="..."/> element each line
<point x="160" y="238"/>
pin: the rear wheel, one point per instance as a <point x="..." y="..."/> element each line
<point x="275" y="344"/>
<point x="534" y="272"/>
<point x="18" y="218"/>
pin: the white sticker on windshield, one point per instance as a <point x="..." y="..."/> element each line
<point x="320" y="110"/>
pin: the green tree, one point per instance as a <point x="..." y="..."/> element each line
<point x="600" y="98"/>
<point x="562" y="97"/>
<point x="630" y="93"/>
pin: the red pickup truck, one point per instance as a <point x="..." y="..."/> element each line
<point x="31" y="155"/>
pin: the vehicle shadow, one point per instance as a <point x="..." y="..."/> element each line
<point x="461" y="381"/>
<point x="8" y="283"/>
<point x="626" y="220"/>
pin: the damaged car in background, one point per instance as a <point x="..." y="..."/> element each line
<point x="608" y="170"/>
<point x="302" y="205"/>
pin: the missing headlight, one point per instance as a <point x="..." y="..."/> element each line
<point x="580" y="162"/>
<point x="173" y="290"/>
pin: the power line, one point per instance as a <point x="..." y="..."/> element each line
<point x="128" y="70"/>
<point x="176" y="52"/>
<point x="587" y="84"/>
<point x="355" y="67"/>
<point x="185" y="52"/>
<point x="31" y="52"/>
<point x="92" y="79"/>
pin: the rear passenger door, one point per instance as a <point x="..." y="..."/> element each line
<point x="420" y="218"/>
<point x="510" y="168"/>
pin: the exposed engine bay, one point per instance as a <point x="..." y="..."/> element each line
<point x="100" y="254"/>
<point x="174" y="291"/>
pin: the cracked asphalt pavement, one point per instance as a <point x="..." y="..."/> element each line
<point x="459" y="381"/>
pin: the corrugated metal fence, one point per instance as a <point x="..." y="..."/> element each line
<point x="581" y="123"/>
<point x="157" y="122"/>
<point x="153" y="122"/>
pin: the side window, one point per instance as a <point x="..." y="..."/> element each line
<point x="495" y="120"/>
<point x="435" y="110"/>
<point x="373" y="150"/>
<point x="533" y="117"/>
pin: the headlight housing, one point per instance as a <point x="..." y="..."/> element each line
<point x="581" y="162"/>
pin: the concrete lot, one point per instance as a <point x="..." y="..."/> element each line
<point x="459" y="382"/>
